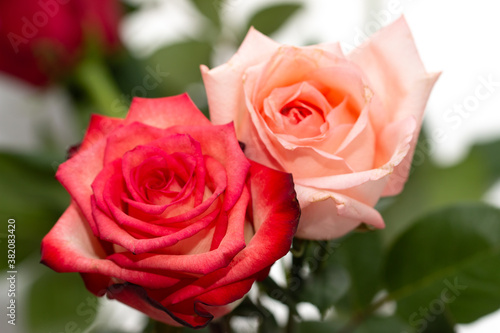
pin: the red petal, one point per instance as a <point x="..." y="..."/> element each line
<point x="220" y="143"/>
<point x="276" y="213"/>
<point x="99" y="127"/>
<point x="166" y="112"/>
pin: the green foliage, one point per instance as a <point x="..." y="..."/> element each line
<point x="442" y="323"/>
<point x="430" y="187"/>
<point x="317" y="277"/>
<point x="178" y="66"/>
<point x="270" y="19"/>
<point x="384" y="325"/>
<point x="318" y="327"/>
<point x="210" y="9"/>
<point x="60" y="303"/>
<point x="447" y="262"/>
<point x="181" y="64"/>
<point x="325" y="287"/>
<point x="136" y="78"/>
<point x="361" y="254"/>
<point x="30" y="195"/>
<point x="370" y="325"/>
<point x="248" y="309"/>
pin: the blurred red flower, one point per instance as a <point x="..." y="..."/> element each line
<point x="42" y="39"/>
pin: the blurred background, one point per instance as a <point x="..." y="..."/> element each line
<point x="153" y="48"/>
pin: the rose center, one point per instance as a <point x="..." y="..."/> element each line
<point x="158" y="180"/>
<point x="295" y="114"/>
<point x="302" y="119"/>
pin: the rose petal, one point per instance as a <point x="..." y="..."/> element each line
<point x="275" y="213"/>
<point x="99" y="127"/>
<point x="165" y="112"/>
<point x="167" y="148"/>
<point x="136" y="297"/>
<point x="223" y="83"/>
<point x="416" y="99"/>
<point x="71" y="247"/>
<point x="396" y="74"/>
<point x="261" y="79"/>
<point x="220" y="143"/>
<point x="77" y="175"/>
<point x="127" y="138"/>
<point x="358" y="147"/>
<point x="300" y="95"/>
<point x="328" y="215"/>
<point x="198" y="263"/>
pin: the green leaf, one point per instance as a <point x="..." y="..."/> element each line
<point x="273" y="290"/>
<point x="325" y="287"/>
<point x="210" y="9"/>
<point x="175" y="69"/>
<point x="129" y="8"/>
<point x="60" y="303"/>
<point x="392" y="324"/>
<point x="133" y="77"/>
<point x="31" y="196"/>
<point x="440" y="324"/>
<point x="488" y="152"/>
<point x="327" y="281"/>
<point x="318" y="327"/>
<point x="267" y="321"/>
<point x="361" y="254"/>
<point x="191" y="330"/>
<point x="384" y="325"/>
<point x="271" y="18"/>
<point x="447" y="262"/>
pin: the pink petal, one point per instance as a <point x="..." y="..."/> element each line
<point x="223" y="83"/>
<point x="416" y="99"/>
<point x="396" y="73"/>
<point x="328" y="215"/>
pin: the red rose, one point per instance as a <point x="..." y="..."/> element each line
<point x="168" y="215"/>
<point x="40" y="37"/>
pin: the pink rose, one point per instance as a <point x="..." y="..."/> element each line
<point x="345" y="126"/>
<point x="168" y="215"/>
